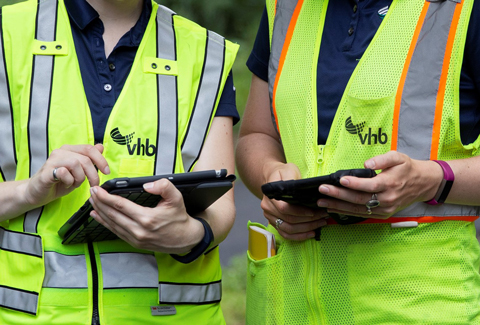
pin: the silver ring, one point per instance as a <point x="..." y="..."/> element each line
<point x="372" y="203"/>
<point x="55" y="178"/>
<point x="278" y="222"/>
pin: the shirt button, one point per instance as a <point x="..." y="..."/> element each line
<point x="107" y="87"/>
<point x="111" y="66"/>
<point x="355" y="7"/>
<point x="350" y="31"/>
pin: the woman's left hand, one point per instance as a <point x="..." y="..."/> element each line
<point x="402" y="182"/>
<point x="165" y="228"/>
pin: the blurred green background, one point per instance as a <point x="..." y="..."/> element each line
<point x="237" y="20"/>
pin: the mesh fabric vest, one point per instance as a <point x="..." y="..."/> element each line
<point x="372" y="273"/>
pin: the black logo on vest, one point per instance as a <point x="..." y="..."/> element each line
<point x="367" y="138"/>
<point x="139" y="148"/>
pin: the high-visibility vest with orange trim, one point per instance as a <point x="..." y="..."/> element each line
<point x="403" y="95"/>
<point x="157" y="126"/>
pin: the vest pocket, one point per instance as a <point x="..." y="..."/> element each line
<point x="23" y="271"/>
<point x="264" y="280"/>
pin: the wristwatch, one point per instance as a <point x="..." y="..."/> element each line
<point x="445" y="186"/>
<point x="200" y="248"/>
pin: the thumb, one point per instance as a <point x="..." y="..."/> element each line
<point x="163" y="187"/>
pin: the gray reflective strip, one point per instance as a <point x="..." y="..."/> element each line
<point x="20" y="300"/>
<point x="283" y="16"/>
<point x="167" y="96"/>
<point x="422" y="81"/>
<point x="20" y="243"/>
<point x="178" y="293"/>
<point x="129" y="270"/>
<point x="205" y="101"/>
<point x="42" y="76"/>
<point x="65" y="271"/>
<point x="421" y="209"/>
<point x="8" y="160"/>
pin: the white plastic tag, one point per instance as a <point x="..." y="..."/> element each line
<point x="163" y="310"/>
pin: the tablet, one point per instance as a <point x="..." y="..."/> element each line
<point x="305" y="191"/>
<point x="199" y="189"/>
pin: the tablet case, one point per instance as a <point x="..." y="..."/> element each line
<point x="305" y="191"/>
<point x="199" y="189"/>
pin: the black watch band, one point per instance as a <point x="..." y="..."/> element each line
<point x="200" y="248"/>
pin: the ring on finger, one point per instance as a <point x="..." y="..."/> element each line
<point x="55" y="178"/>
<point x="373" y="202"/>
<point x="278" y="222"/>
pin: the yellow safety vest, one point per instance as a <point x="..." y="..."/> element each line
<point x="403" y="95"/>
<point x="158" y="125"/>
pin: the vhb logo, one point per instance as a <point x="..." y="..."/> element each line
<point x="367" y="138"/>
<point x="139" y="148"/>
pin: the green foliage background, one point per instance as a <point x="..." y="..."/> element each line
<point x="237" y="20"/>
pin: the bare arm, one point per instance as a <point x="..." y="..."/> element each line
<point x="259" y="150"/>
<point x="402" y="182"/>
<point x="73" y="163"/>
<point x="260" y="159"/>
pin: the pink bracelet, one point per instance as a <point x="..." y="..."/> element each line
<point x="445" y="186"/>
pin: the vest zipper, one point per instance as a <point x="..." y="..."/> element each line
<point x="315" y="301"/>
<point x="93" y="264"/>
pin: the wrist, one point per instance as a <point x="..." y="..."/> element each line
<point x="443" y="189"/>
<point x="201" y="247"/>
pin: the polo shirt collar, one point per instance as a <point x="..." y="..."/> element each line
<point x="82" y="14"/>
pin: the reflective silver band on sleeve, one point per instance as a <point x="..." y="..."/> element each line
<point x="129" y="270"/>
<point x="65" y="271"/>
<point x="20" y="300"/>
<point x="192" y="294"/>
<point x="206" y="98"/>
<point x="283" y="15"/>
<point x="420" y="91"/>
<point x="42" y="77"/>
<point x="21" y="243"/>
<point x="167" y="136"/>
<point x="8" y="159"/>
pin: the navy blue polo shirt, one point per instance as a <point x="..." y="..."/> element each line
<point x="349" y="27"/>
<point x="104" y="78"/>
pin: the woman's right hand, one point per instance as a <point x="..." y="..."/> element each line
<point x="73" y="163"/>
<point x="299" y="223"/>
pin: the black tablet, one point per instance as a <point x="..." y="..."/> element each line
<point x="305" y="191"/>
<point x="199" y="189"/>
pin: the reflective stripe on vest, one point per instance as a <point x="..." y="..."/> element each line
<point x="181" y="293"/>
<point x="19" y="242"/>
<point x="422" y="97"/>
<point x="65" y="271"/>
<point x="125" y="270"/>
<point x="20" y="300"/>
<point x="42" y="77"/>
<point x="167" y="96"/>
<point x="8" y="160"/>
<point x="423" y="80"/>
<point x="284" y="23"/>
<point x="205" y="101"/>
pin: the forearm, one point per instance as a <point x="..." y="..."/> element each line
<point x="12" y="199"/>
<point x="257" y="155"/>
<point x="466" y="187"/>
<point x="220" y="216"/>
